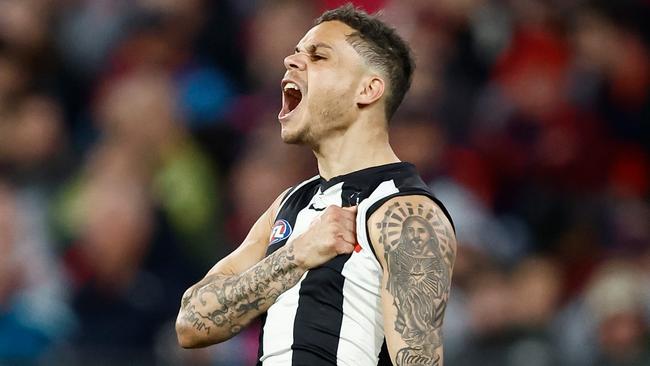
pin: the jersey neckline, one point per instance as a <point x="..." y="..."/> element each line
<point x="365" y="174"/>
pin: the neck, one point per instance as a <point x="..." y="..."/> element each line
<point x="361" y="146"/>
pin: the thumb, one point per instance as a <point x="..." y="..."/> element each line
<point x="350" y="209"/>
<point x="350" y="212"/>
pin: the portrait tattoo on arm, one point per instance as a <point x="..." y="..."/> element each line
<point x="419" y="254"/>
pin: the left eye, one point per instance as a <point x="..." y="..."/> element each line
<point x="317" y="57"/>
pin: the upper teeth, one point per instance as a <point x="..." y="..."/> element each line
<point x="291" y="85"/>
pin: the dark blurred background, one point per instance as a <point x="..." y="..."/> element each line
<point x="139" y="142"/>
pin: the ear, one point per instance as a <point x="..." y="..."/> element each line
<point x="372" y="90"/>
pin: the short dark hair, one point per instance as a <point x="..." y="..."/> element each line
<point x="380" y="46"/>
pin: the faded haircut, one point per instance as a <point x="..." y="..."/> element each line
<point x="381" y="47"/>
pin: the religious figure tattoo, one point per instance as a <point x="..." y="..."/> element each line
<point x="419" y="254"/>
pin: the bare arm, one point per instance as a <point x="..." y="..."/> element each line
<point x="416" y="247"/>
<point x="243" y="285"/>
<point x="220" y="305"/>
<point x="208" y="313"/>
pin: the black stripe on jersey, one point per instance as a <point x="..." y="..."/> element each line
<point x="319" y="315"/>
<point x="260" y="347"/>
<point x="384" y="356"/>
<point x="320" y="307"/>
<point x="288" y="211"/>
<point x="286" y="195"/>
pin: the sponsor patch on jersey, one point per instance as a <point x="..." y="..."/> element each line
<point x="281" y="230"/>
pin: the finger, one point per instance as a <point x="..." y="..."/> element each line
<point x="333" y="211"/>
<point x="348" y="236"/>
<point x="344" y="220"/>
<point x="343" y="247"/>
<point x="347" y="224"/>
<point x="349" y="214"/>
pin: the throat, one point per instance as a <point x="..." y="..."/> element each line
<point x="341" y="156"/>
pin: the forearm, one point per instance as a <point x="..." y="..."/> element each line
<point x="419" y="356"/>
<point x="219" y="306"/>
<point x="413" y="336"/>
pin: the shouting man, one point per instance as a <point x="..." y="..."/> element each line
<point x="353" y="266"/>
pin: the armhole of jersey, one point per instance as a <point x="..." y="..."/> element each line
<point x="380" y="202"/>
<point x="291" y="191"/>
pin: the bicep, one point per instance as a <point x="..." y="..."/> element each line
<point x="253" y="248"/>
<point x="416" y="248"/>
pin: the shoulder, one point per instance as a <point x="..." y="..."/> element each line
<point x="410" y="204"/>
<point x="401" y="185"/>
<point x="405" y="220"/>
<point x="305" y="185"/>
<point x="292" y="193"/>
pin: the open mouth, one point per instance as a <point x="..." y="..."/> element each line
<point x="291" y="97"/>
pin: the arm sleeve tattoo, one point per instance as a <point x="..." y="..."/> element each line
<point x="419" y="251"/>
<point x="229" y="303"/>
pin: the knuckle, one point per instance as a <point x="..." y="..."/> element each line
<point x="327" y="240"/>
<point x="346" y="248"/>
<point x="334" y="230"/>
<point x="329" y="213"/>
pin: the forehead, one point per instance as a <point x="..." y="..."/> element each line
<point x="413" y="222"/>
<point x="332" y="33"/>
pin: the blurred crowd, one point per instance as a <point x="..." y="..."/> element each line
<point x="139" y="142"/>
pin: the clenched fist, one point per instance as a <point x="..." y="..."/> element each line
<point x="330" y="234"/>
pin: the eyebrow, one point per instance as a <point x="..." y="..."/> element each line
<point x="312" y="48"/>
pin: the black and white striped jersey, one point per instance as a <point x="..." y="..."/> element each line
<point x="333" y="315"/>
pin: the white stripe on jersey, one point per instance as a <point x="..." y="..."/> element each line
<point x="278" y="329"/>
<point x="382" y="191"/>
<point x="362" y="315"/>
<point x="362" y="294"/>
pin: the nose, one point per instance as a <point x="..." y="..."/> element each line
<point x="295" y="62"/>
